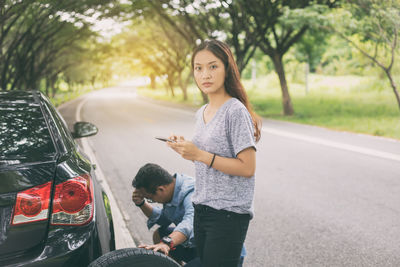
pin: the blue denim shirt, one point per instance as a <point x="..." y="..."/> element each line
<point x="179" y="211"/>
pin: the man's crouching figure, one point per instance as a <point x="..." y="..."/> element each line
<point x="174" y="237"/>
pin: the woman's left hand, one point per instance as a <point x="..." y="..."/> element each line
<point x="186" y="149"/>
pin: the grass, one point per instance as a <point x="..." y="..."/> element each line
<point x="194" y="97"/>
<point x="66" y="94"/>
<point x="347" y="103"/>
<point x="63" y="97"/>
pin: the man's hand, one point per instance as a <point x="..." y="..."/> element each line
<point x="161" y="247"/>
<point x="137" y="197"/>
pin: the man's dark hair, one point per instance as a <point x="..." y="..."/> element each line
<point x="151" y="176"/>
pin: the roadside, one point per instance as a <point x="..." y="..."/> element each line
<point x="366" y="144"/>
<point x="123" y="237"/>
<point x="305" y="186"/>
<point x="342" y="103"/>
<point x="267" y="121"/>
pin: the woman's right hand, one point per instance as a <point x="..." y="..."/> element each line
<point x="176" y="138"/>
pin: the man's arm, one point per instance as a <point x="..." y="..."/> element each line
<point x="147" y="209"/>
<point x="139" y="201"/>
<point x="182" y="232"/>
<point x="154" y="214"/>
<point x="177" y="238"/>
<point x="184" y="229"/>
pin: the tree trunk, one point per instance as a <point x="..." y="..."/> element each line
<point x="286" y="101"/>
<point x="171" y="84"/>
<point x="183" y="86"/>
<point x="240" y="65"/>
<point x="46" y="86"/>
<point x="153" y="81"/>
<point x="53" y="81"/>
<point x="394" y="87"/>
<point x="93" y="81"/>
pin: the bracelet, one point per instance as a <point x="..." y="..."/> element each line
<point x="140" y="204"/>
<point x="212" y="161"/>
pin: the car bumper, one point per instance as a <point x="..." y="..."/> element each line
<point x="65" y="246"/>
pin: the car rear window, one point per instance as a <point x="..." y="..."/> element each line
<point x="24" y="136"/>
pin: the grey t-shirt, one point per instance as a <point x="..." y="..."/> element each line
<point x="229" y="132"/>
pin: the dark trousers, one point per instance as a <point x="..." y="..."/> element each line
<point x="180" y="253"/>
<point x="219" y="236"/>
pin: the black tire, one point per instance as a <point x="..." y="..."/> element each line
<point x="135" y="257"/>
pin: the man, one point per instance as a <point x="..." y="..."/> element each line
<point x="154" y="184"/>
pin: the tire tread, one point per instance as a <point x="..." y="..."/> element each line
<point x="122" y="256"/>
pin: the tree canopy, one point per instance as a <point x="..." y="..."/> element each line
<point x="45" y="42"/>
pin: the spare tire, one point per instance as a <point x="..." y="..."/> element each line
<point x="134" y="257"/>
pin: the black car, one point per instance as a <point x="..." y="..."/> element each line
<point x="53" y="211"/>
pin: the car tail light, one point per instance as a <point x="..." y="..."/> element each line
<point x="32" y="204"/>
<point x="73" y="201"/>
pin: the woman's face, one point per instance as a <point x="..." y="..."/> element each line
<point x="209" y="72"/>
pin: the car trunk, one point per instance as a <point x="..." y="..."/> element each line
<point x="27" y="236"/>
<point x="27" y="169"/>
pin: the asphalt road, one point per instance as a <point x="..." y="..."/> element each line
<point x="323" y="198"/>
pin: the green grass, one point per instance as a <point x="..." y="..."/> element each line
<point x="194" y="97"/>
<point x="66" y="94"/>
<point x="63" y="97"/>
<point x="346" y="103"/>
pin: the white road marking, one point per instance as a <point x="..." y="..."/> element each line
<point x="315" y="140"/>
<point x="343" y="146"/>
<point x="123" y="238"/>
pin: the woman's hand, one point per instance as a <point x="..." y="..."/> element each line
<point x="175" y="138"/>
<point x="186" y="149"/>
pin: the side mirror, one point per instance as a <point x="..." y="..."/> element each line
<point x="84" y="129"/>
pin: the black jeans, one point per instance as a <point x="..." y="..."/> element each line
<point x="180" y="253"/>
<point x="219" y="236"/>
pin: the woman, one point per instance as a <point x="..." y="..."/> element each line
<point x="223" y="150"/>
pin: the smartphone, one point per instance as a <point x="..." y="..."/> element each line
<point x="165" y="139"/>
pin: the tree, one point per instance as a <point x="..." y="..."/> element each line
<point x="311" y="47"/>
<point x="246" y="25"/>
<point x="38" y="37"/>
<point x="176" y="55"/>
<point x="372" y="27"/>
<point x="161" y="51"/>
<point x="186" y="25"/>
<point x="278" y="25"/>
<point x="199" y="20"/>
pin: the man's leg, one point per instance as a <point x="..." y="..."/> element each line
<point x="183" y="254"/>
<point x="161" y="232"/>
<point x="156" y="237"/>
<point x="180" y="253"/>
<point x="242" y="255"/>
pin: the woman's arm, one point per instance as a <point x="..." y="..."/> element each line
<point x="243" y="165"/>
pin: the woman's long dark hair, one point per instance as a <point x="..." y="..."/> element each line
<point x="232" y="83"/>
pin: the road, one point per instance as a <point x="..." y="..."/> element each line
<point x="323" y="198"/>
